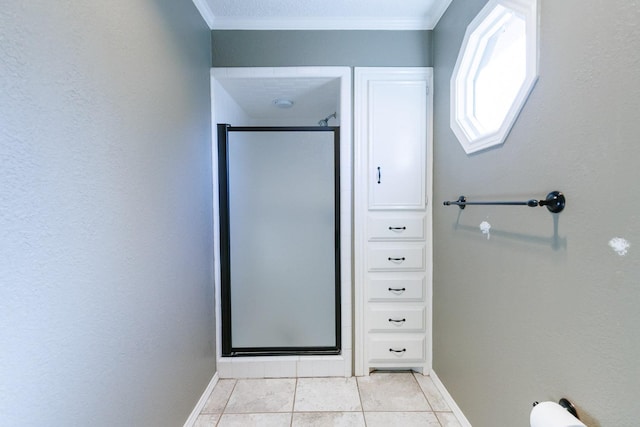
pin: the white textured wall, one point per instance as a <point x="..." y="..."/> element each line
<point x="106" y="313"/>
<point x="524" y="316"/>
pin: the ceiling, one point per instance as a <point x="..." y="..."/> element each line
<point x="313" y="98"/>
<point x="322" y="14"/>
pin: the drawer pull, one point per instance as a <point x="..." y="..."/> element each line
<point x="397" y="259"/>
<point x="397" y="289"/>
<point x="397" y="320"/>
<point x="379" y="175"/>
<point x="397" y="351"/>
<point x="397" y="228"/>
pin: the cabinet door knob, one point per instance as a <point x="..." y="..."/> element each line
<point x="397" y="320"/>
<point x="397" y="351"/>
<point x="397" y="259"/>
<point x="397" y="228"/>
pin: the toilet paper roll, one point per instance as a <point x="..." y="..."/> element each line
<point x="550" y="414"/>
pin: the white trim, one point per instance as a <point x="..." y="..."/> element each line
<point x="439" y="13"/>
<point x="428" y="22"/>
<point x="324" y="23"/>
<point x="470" y="134"/>
<point x="359" y="211"/>
<point x="464" y="422"/>
<point x="216" y="220"/>
<point x="429" y="230"/>
<point x="203" y="400"/>
<point x="206" y="12"/>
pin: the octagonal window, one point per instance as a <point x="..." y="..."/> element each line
<point x="496" y="69"/>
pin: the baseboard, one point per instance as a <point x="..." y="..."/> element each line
<point x="452" y="403"/>
<point x="203" y="400"/>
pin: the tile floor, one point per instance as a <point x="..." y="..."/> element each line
<point x="382" y="399"/>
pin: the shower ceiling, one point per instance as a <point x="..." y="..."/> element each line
<point x="313" y="98"/>
<point x="322" y="14"/>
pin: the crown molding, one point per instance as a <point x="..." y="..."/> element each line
<point x="439" y="12"/>
<point x="206" y="12"/>
<point x="324" y="23"/>
<point x="319" y="23"/>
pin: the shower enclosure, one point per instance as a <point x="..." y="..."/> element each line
<point x="279" y="240"/>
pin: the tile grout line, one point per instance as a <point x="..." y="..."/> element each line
<point x="293" y="405"/>
<point x="422" y="391"/>
<point x="364" y="419"/>
<point x="426" y="398"/>
<point x="235" y="383"/>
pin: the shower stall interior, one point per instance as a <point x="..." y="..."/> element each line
<point x="283" y="184"/>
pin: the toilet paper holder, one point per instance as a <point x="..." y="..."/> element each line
<point x="566" y="404"/>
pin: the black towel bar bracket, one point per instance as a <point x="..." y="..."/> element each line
<point x="554" y="202"/>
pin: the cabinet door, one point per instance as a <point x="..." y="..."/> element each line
<point x="397" y="138"/>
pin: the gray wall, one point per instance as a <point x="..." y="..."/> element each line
<point x="106" y="291"/>
<point x="321" y="48"/>
<point x="524" y="316"/>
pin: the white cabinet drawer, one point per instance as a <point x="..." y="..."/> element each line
<point x="396" y="228"/>
<point x="401" y="287"/>
<point x="408" y="348"/>
<point x="397" y="319"/>
<point x="392" y="257"/>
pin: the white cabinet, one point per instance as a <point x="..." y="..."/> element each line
<point x="392" y="218"/>
<point x="396" y="133"/>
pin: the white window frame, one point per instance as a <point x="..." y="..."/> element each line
<point x="465" y="126"/>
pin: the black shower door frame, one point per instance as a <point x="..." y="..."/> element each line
<point x="228" y="348"/>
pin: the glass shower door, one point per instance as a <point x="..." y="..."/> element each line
<point x="279" y="191"/>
